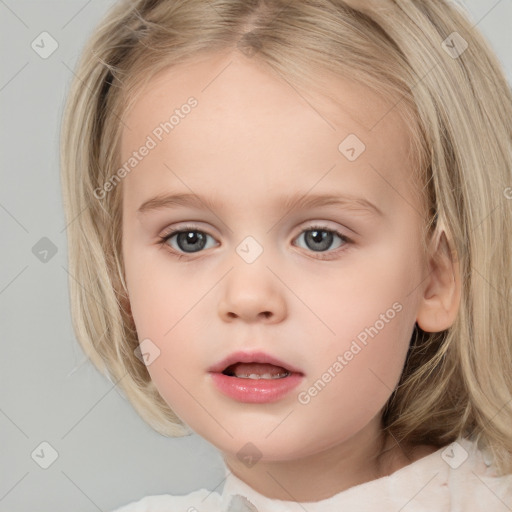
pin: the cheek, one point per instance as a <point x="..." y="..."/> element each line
<point x="167" y="307"/>
<point x="353" y="376"/>
<point x="158" y="294"/>
<point x="373" y="294"/>
<point x="370" y="312"/>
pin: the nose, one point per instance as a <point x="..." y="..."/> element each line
<point x="252" y="293"/>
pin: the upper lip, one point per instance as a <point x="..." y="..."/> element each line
<point x="250" y="357"/>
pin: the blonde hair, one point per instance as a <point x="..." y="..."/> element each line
<point x="458" y="108"/>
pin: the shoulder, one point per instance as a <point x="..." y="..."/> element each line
<point x="203" y="500"/>
<point x="473" y="482"/>
<point x="456" y="477"/>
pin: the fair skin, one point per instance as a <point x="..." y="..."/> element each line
<point x="250" y="140"/>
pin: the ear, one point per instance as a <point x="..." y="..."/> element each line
<point x="439" y="304"/>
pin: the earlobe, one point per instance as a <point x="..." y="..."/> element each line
<point x="442" y="290"/>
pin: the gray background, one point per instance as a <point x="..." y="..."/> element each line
<point x="107" y="456"/>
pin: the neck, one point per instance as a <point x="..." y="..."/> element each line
<point x="366" y="456"/>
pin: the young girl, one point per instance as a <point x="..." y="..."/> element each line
<point x="289" y="232"/>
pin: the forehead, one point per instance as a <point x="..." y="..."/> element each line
<point x="250" y="124"/>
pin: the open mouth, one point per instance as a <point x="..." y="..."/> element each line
<point x="254" y="377"/>
<point x="256" y="371"/>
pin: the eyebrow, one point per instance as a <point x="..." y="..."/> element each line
<point x="290" y="203"/>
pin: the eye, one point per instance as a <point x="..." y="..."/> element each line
<point x="320" y="238"/>
<point x="188" y="239"/>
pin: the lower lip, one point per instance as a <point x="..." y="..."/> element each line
<point x="256" y="391"/>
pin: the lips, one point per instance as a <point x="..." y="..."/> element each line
<point x="255" y="377"/>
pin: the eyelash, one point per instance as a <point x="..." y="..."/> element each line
<point x="163" y="239"/>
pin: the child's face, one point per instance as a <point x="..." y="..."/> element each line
<point x="251" y="142"/>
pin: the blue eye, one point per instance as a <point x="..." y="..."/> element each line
<point x="190" y="240"/>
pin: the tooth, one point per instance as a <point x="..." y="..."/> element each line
<point x="263" y="376"/>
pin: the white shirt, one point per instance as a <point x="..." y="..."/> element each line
<point x="455" y="478"/>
